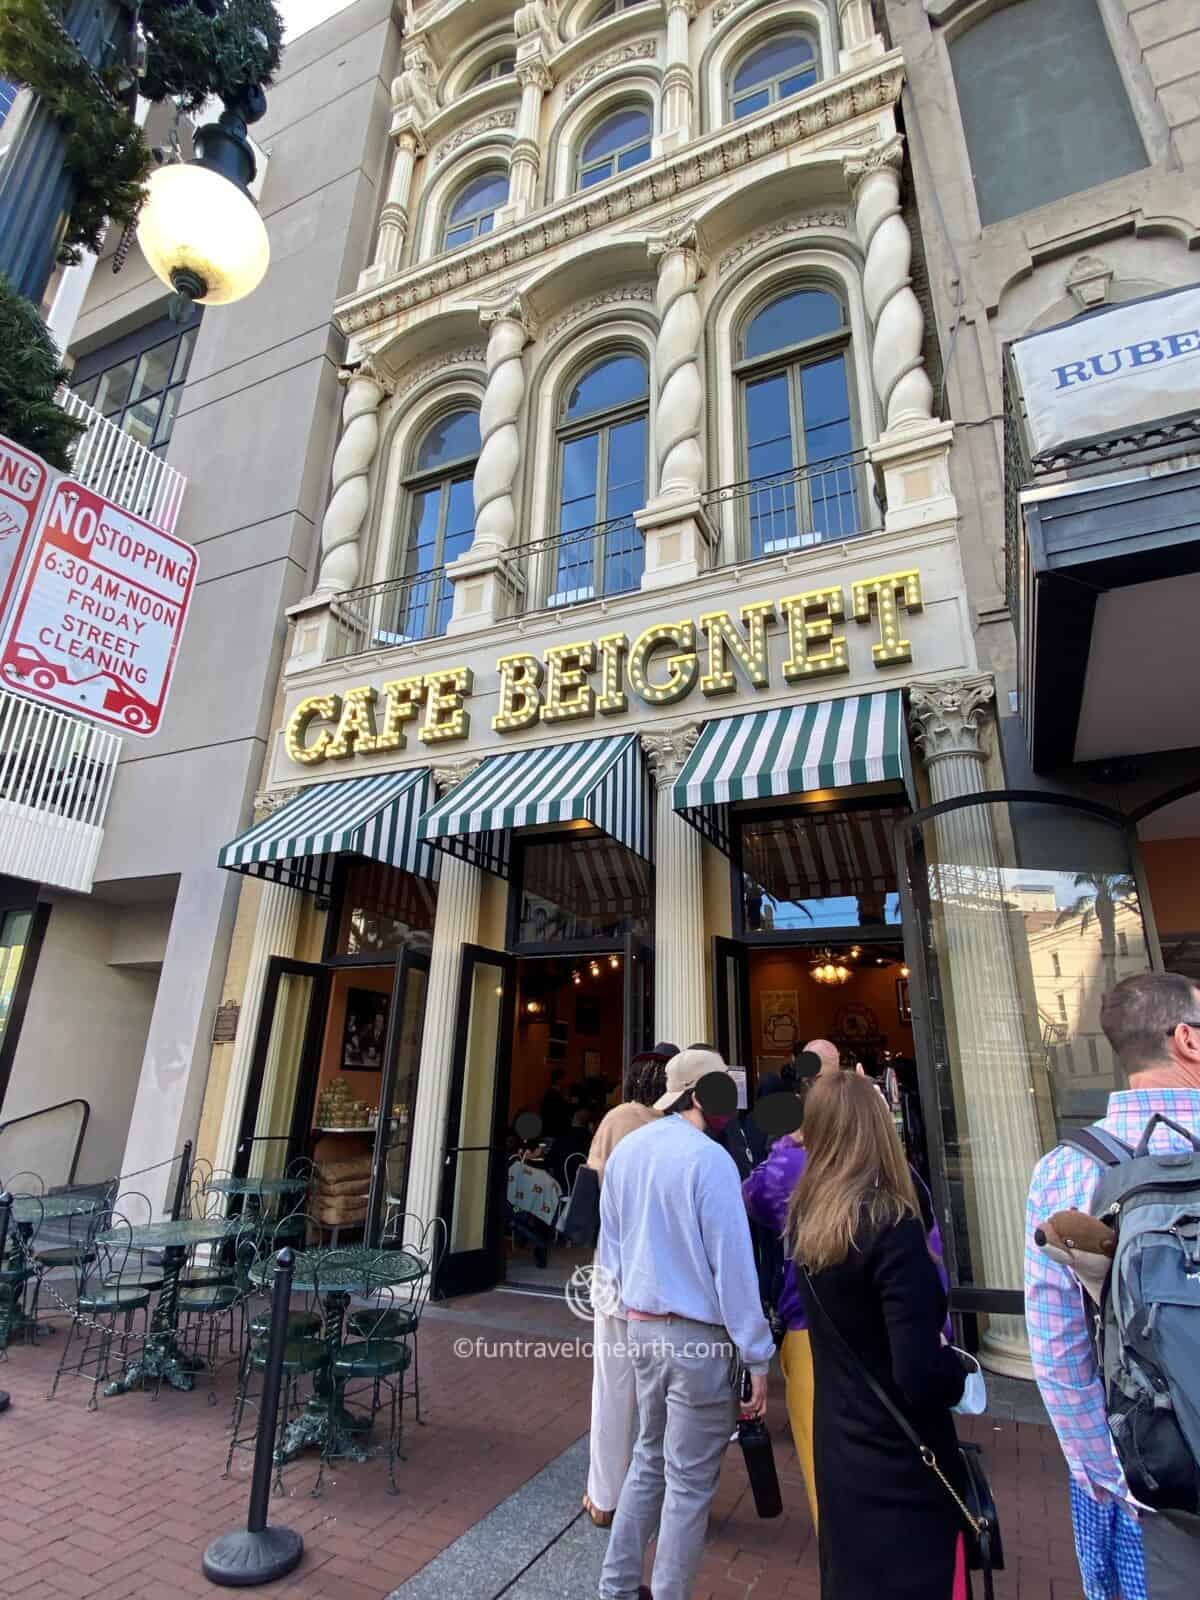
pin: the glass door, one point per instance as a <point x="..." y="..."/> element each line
<point x="639" y="996"/>
<point x="472" y="1183"/>
<point x="283" y="1071"/>
<point x="398" y="1091"/>
<point x="731" y="1000"/>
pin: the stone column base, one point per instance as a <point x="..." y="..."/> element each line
<point x="487" y="588"/>
<point x="915" y="465"/>
<point x="679" y="539"/>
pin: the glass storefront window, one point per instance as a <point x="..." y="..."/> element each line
<point x="582" y="888"/>
<point x="14" y="936"/>
<point x="384" y="910"/>
<point x="1027" y="913"/>
<point x="819" y="869"/>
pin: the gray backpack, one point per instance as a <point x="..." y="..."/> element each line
<point x="1148" y="1325"/>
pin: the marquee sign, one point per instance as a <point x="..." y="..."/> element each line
<point x="664" y="664"/>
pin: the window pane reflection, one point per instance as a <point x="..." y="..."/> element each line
<point x="582" y="888"/>
<point x="812" y="870"/>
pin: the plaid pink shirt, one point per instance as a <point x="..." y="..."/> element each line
<point x="1059" y="1333"/>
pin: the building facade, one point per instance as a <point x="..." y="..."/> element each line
<point x="115" y="918"/>
<point x="635" y="693"/>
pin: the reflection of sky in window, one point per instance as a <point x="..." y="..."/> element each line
<point x="840" y="911"/>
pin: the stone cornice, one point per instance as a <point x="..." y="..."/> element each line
<point x="831" y="105"/>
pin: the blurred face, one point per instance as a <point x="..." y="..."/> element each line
<point x="829" y="1054"/>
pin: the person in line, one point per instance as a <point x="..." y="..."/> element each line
<point x="675" y="1251"/>
<point x="614" y="1396"/>
<point x="767" y="1193"/>
<point x="1152" y="1022"/>
<point x="827" y="1053"/>
<point x="889" y="1528"/>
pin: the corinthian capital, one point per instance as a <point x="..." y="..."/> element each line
<point x="681" y="234"/>
<point x="454" y="772"/>
<point x="536" y="72"/>
<point x="890" y="153"/>
<point x="947" y="717"/>
<point x="511" y="308"/>
<point x="667" y="749"/>
<point x="369" y="370"/>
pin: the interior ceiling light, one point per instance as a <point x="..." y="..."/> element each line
<point x="830" y="969"/>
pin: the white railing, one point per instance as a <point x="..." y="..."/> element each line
<point x="56" y="776"/>
<point x="114" y="464"/>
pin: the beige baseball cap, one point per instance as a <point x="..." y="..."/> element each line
<point x="684" y="1072"/>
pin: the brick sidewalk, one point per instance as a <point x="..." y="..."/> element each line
<point x="123" y="1502"/>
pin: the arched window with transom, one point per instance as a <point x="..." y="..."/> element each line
<point x="502" y="66"/>
<point x="472" y="209"/>
<point x="602" y="442"/>
<point x="798" y="421"/>
<point x="439" y="517"/>
<point x="618" y="141"/>
<point x="774" y="69"/>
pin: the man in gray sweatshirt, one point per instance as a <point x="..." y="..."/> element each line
<point x="675" y="1252"/>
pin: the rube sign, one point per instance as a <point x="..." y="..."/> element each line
<point x="23" y="479"/>
<point x="100" y="612"/>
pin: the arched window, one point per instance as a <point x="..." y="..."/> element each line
<point x="602" y="434"/>
<point x="780" y="66"/>
<point x="440" y="516"/>
<point x="797" y="420"/>
<point x="473" y="209"/>
<point x="617" y="142"/>
<point x="497" y="67"/>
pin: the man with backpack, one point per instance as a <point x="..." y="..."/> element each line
<point x="1121" y="1380"/>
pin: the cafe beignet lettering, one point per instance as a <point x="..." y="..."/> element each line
<point x="722" y="653"/>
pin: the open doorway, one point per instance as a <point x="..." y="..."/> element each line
<point x="568" y="1057"/>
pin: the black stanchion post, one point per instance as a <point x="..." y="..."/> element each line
<point x="5" y="1214"/>
<point x="181" y="1182"/>
<point x="260" y="1554"/>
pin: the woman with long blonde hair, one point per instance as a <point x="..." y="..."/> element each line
<point x="874" y="1302"/>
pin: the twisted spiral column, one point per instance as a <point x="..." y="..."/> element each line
<point x="680" y="409"/>
<point x="496" y="470"/>
<point x="901" y="382"/>
<point x="351" y="497"/>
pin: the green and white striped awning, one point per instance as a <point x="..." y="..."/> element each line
<point x="822" y="744"/>
<point x="375" y="817"/>
<point x="601" y="781"/>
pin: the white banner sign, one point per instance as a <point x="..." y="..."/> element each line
<point x="1123" y="368"/>
<point x="96" y="624"/>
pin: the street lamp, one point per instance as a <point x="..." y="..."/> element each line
<point x="199" y="229"/>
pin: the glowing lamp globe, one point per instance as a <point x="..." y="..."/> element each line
<point x="199" y="231"/>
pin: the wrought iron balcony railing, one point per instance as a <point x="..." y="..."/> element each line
<point x="818" y="503"/>
<point x="113" y="463"/>
<point x="580" y="564"/>
<point x="56" y="776"/>
<point x="397" y="611"/>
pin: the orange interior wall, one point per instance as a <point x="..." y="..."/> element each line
<point x="817" y="1006"/>
<point x="363" y="1086"/>
<point x="530" y="1068"/>
<point x="1172" y="868"/>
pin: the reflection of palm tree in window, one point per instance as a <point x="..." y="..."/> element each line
<point x="1104" y="894"/>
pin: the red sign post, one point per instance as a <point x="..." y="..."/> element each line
<point x="23" y="480"/>
<point x="100" y="612"/>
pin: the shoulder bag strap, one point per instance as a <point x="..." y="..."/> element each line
<point x="978" y="1528"/>
<point x="1100" y="1145"/>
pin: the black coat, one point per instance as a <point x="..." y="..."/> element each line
<point x="888" y="1528"/>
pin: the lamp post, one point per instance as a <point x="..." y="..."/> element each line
<point x="199" y="229"/>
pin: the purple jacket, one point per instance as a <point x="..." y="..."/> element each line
<point x="768" y="1192"/>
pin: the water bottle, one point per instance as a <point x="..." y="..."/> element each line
<point x="755" y="1441"/>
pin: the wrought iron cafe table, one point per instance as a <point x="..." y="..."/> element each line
<point x="161" y="1356"/>
<point x="259" y="1188"/>
<point x="29" y="1211"/>
<point x="326" y="1422"/>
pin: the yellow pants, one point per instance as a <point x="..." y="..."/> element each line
<point x="795" y="1357"/>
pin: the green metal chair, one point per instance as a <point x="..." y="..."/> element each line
<point x="106" y="1301"/>
<point x="378" y="1359"/>
<point x="408" y="1306"/>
